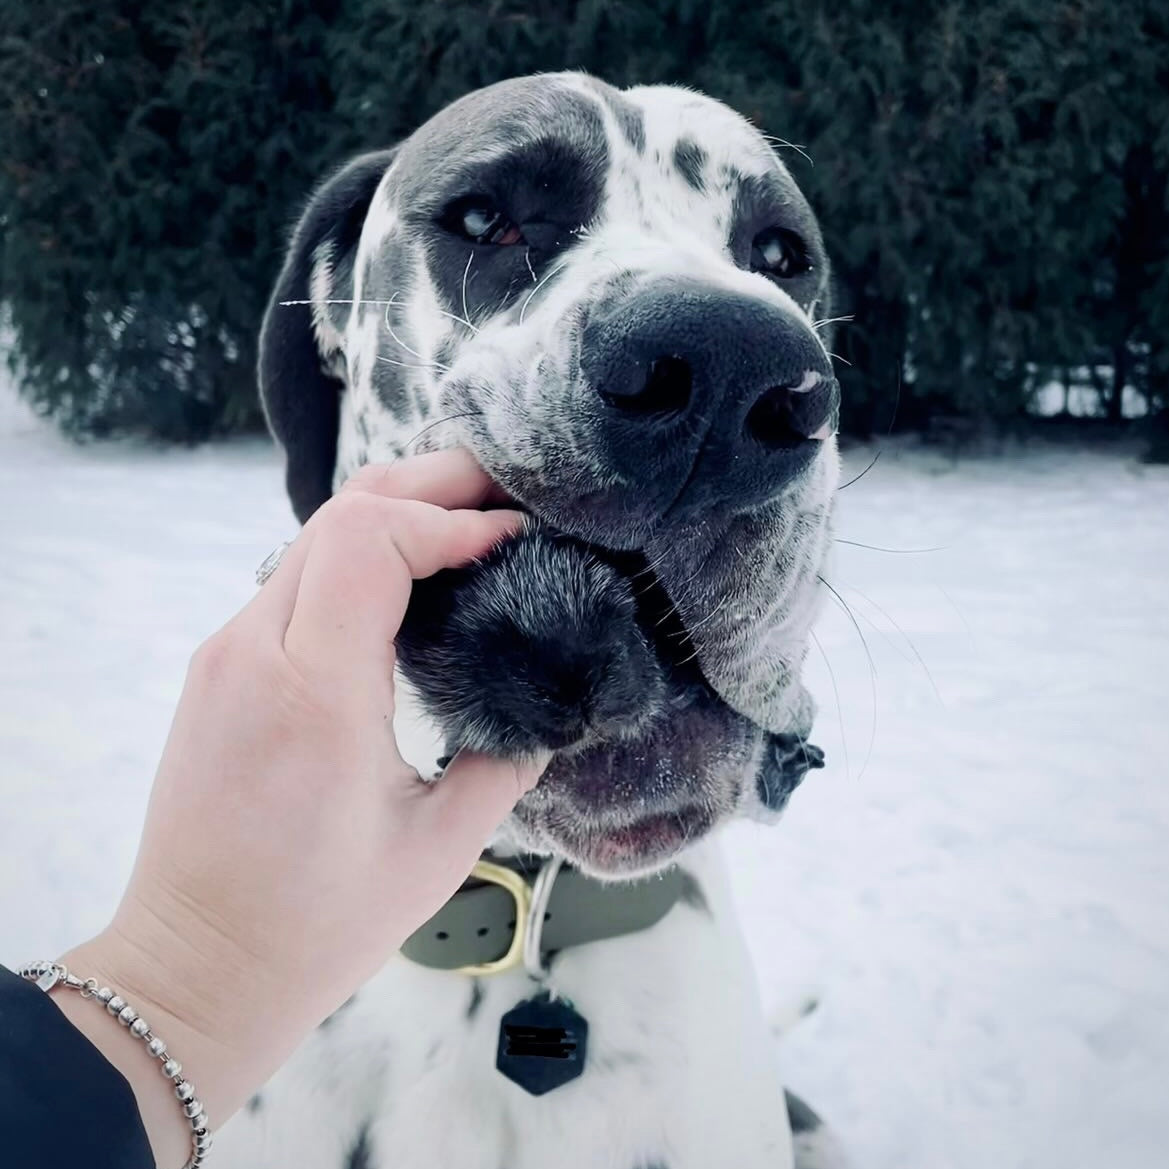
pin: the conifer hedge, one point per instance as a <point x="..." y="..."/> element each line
<point x="991" y="176"/>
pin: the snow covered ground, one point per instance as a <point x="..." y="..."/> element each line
<point x="976" y="890"/>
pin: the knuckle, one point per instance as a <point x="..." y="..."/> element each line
<point x="358" y="511"/>
<point x="216" y="661"/>
<point x="379" y="478"/>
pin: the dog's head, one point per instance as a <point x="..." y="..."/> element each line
<point x="611" y="297"/>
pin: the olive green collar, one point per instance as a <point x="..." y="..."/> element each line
<point x="483" y="927"/>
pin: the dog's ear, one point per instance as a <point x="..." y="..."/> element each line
<point x="300" y="359"/>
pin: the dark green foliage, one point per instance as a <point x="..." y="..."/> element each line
<point x="991" y="177"/>
<point x="151" y="156"/>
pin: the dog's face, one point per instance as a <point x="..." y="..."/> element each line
<point x="610" y="297"/>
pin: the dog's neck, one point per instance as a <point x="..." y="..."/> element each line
<point x="514" y="911"/>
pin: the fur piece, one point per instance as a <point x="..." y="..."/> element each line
<point x="536" y="646"/>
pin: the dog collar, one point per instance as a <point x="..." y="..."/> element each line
<point x="482" y="928"/>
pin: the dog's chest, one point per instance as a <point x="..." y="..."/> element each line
<point x="679" y="1072"/>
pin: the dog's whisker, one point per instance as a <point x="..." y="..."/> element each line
<point x="711" y="615"/>
<point x="839" y="708"/>
<point x="528" y="261"/>
<point x="652" y="566"/>
<point x="335" y="300"/>
<point x="466" y="272"/>
<point x="830" y="321"/>
<point x="544" y="280"/>
<point x="777" y="141"/>
<point x="857" y="478"/>
<point x="894" y="551"/>
<point x="905" y="636"/>
<point x="953" y="605"/>
<point x="455" y="317"/>
<point x="681" y="591"/>
<point x="432" y="365"/>
<point x="872" y="669"/>
<point x="390" y="329"/>
<point x="440" y="421"/>
<point x="838" y="357"/>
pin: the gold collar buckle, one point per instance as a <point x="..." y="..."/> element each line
<point x="521" y="893"/>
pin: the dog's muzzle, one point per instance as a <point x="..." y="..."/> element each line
<point x="706" y="397"/>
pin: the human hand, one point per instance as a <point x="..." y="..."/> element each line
<point x="288" y="850"/>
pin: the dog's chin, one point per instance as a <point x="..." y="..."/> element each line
<point x="622" y="810"/>
<point x="622" y="850"/>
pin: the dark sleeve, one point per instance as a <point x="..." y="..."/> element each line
<point x="61" y="1102"/>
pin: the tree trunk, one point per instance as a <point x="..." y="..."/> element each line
<point x="1119" y="381"/>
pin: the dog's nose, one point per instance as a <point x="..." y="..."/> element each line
<point x="708" y="396"/>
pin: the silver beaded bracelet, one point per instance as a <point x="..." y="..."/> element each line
<point x="47" y="975"/>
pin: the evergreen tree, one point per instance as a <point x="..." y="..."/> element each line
<point x="152" y="156"/>
<point x="991" y="177"/>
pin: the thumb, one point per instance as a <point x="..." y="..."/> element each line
<point x="476" y="793"/>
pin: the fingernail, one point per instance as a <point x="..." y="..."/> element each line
<point x="529" y="770"/>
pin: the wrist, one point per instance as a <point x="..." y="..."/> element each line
<point x="223" y="1074"/>
<point x="145" y="1054"/>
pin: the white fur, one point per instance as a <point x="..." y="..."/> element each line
<point x="681" y="1069"/>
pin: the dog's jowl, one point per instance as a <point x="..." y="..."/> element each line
<point x="616" y="300"/>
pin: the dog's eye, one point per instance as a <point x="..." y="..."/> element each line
<point x="780" y="253"/>
<point x="479" y="221"/>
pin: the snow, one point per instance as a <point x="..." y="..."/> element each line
<point x="976" y="890"/>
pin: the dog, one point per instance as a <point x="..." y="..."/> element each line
<point x="614" y="299"/>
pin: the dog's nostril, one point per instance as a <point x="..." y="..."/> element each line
<point x="783" y="416"/>
<point x="666" y="389"/>
<point x="770" y="420"/>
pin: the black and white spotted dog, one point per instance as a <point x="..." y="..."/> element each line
<point x="611" y="298"/>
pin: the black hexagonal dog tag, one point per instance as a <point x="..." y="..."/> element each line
<point x="542" y="1044"/>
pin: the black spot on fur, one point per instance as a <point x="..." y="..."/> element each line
<point x="692" y="893"/>
<point x="763" y="201"/>
<point x="477" y="997"/>
<point x="255" y="1103"/>
<point x="333" y="1017"/>
<point x="359" y="1154"/>
<point x="553" y="183"/>
<point x="732" y="177"/>
<point x="786" y="760"/>
<point x="800" y="1115"/>
<point x="690" y="159"/>
<point x="629" y="118"/>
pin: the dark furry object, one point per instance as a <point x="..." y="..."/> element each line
<point x="787" y="759"/>
<point x="550" y="643"/>
<point x="538" y="645"/>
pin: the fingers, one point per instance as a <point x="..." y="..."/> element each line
<point x="446" y="479"/>
<point x="365" y="551"/>
<point x="450" y="479"/>
<point x="475" y="795"/>
<point x="271" y="608"/>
